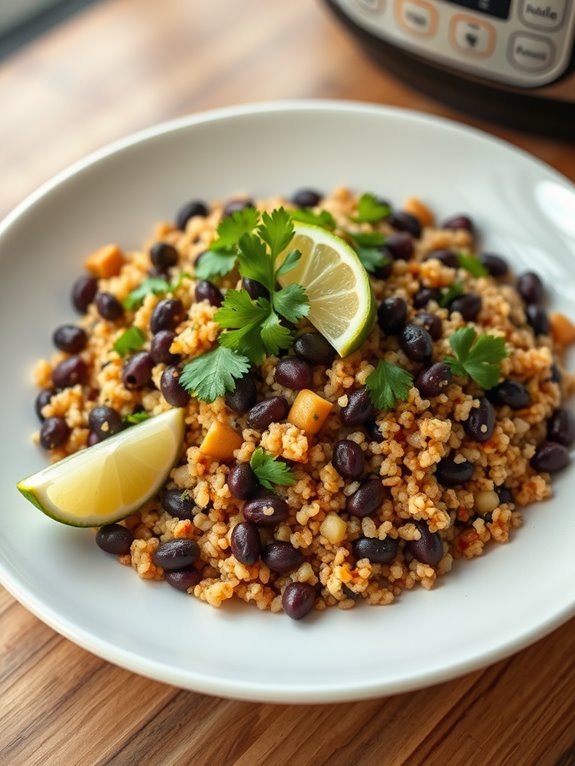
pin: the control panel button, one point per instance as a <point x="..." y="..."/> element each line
<point x="532" y="53"/>
<point x="547" y="14"/>
<point x="471" y="36"/>
<point x="417" y="17"/>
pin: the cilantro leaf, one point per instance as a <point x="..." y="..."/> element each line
<point x="372" y="258"/>
<point x="450" y="294"/>
<point x="136" y="417"/>
<point x="130" y="340"/>
<point x="291" y="302"/>
<point x="368" y="238"/>
<point x="269" y="470"/>
<point x="387" y="384"/>
<point x="238" y="309"/>
<point x="212" y="374"/>
<point x="246" y="341"/>
<point x="234" y="226"/>
<point x="290" y="262"/>
<point x="255" y="262"/>
<point x="478" y="356"/>
<point x="274" y="335"/>
<point x="369" y="210"/>
<point x="276" y="230"/>
<point x="306" y="215"/>
<point x="215" y="263"/>
<point x="471" y="264"/>
<point x="155" y="285"/>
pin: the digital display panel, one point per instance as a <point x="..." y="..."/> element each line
<point x="497" y="8"/>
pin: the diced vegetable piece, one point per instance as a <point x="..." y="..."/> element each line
<point x="416" y="207"/>
<point x="105" y="262"/>
<point x="309" y="411"/>
<point x="562" y="329"/>
<point x="333" y="528"/>
<point x="221" y="441"/>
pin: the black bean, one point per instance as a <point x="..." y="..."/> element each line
<point x="306" y="198"/>
<point x="172" y="390"/>
<point x="243" y="397"/>
<point x="281" y="557"/>
<point x="468" y="305"/>
<point x="167" y="315"/>
<point x="377" y="551"/>
<point x="293" y="373"/>
<point x="510" y="393"/>
<point x="416" y="343"/>
<point x="92" y="439"/>
<point x="459" y="222"/>
<point x="137" y="370"/>
<point x="348" y="459"/>
<point x="178" y="503"/>
<point x="235" y="205"/>
<point x="550" y="457"/>
<point x="561" y="427"/>
<point x="242" y="481"/>
<point x="555" y="374"/>
<point x="70" y="372"/>
<point x="314" y="348"/>
<point x="495" y="264"/>
<point x="255" y="289"/>
<point x="163" y="255"/>
<point x="373" y="431"/>
<point x="450" y="473"/>
<point x="189" y="210"/>
<point x="53" y="432"/>
<point x="391" y="315"/>
<point x="481" y="421"/>
<point x="272" y="410"/>
<point x="429" y="548"/>
<point x="384" y="271"/>
<point x="402" y="221"/>
<point x="114" y="538"/>
<point x="105" y="421"/>
<point x="367" y="499"/>
<point x="207" y="291"/>
<point x="505" y="495"/>
<point x="298" y="599"/>
<point x="255" y="510"/>
<point x="444" y="256"/>
<point x="160" y="348"/>
<point x="84" y="292"/>
<point x="538" y="319"/>
<point x="433" y="380"/>
<point x="70" y="338"/>
<point x="42" y="399"/>
<point x="424" y="296"/>
<point x="358" y="409"/>
<point x="530" y="287"/>
<point x="399" y="247"/>
<point x="183" y="579"/>
<point x="176" y="554"/>
<point x="109" y="307"/>
<point x="245" y="542"/>
<point x="431" y="322"/>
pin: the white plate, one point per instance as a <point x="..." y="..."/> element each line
<point x="484" y="610"/>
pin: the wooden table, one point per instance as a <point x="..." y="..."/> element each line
<point x="114" y="67"/>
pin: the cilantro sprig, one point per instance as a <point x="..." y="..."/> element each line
<point x="131" y="340"/>
<point x="322" y="218"/>
<point x="152" y="286"/>
<point x="477" y="356"/>
<point x="370" y="209"/>
<point x="269" y="470"/>
<point x="387" y="384"/>
<point x="471" y="264"/>
<point x="251" y="329"/>
<point x="449" y="294"/>
<point x="221" y="256"/>
<point x="368" y="246"/>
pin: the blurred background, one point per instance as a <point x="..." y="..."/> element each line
<point x="76" y="74"/>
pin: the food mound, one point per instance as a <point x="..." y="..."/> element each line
<point x="310" y="478"/>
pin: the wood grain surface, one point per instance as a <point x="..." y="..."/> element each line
<point x="121" y="65"/>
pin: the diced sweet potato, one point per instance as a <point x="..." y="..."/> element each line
<point x="105" y="262"/>
<point x="309" y="411"/>
<point x="221" y="441"/>
<point x="562" y="329"/>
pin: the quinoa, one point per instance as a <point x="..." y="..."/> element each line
<point x="424" y="522"/>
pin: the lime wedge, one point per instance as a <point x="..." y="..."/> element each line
<point x="110" y="480"/>
<point x="342" y="304"/>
